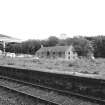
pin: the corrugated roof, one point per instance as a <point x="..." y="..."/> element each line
<point x="54" y="48"/>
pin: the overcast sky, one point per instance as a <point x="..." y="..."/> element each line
<point x="39" y="19"/>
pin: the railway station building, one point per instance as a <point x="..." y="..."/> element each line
<point x="62" y="52"/>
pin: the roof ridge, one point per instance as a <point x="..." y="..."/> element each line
<point x="54" y="48"/>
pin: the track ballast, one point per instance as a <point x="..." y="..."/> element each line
<point x="86" y="88"/>
<point x="62" y="98"/>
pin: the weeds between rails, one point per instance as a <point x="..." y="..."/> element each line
<point x="18" y="87"/>
<point x="82" y="85"/>
<point x="54" y="96"/>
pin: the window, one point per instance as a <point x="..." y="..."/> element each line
<point x="53" y="52"/>
<point x="69" y="53"/>
<point x="68" y="57"/>
<point x="48" y="53"/>
<point x="60" y="54"/>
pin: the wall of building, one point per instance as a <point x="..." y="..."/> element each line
<point x="70" y="54"/>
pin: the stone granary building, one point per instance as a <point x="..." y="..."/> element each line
<point x="62" y="52"/>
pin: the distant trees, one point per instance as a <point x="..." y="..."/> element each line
<point x="98" y="43"/>
<point x="99" y="46"/>
<point x="67" y="41"/>
<point x="52" y="41"/>
<point x="27" y="47"/>
<point x="30" y="46"/>
<point x="13" y="47"/>
<point x="82" y="45"/>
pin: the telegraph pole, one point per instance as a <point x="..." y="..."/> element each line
<point x="4" y="46"/>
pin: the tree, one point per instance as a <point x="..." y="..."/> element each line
<point x="99" y="46"/>
<point x="52" y="41"/>
<point x="82" y="46"/>
<point x="30" y="46"/>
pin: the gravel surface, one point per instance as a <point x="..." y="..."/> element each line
<point x="15" y="98"/>
<point x="8" y="97"/>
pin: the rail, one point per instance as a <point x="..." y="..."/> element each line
<point x="67" y="93"/>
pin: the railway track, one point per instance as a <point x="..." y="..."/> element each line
<point x="46" y="94"/>
<point x="9" y="97"/>
<point x="21" y="88"/>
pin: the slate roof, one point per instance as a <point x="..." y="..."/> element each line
<point x="54" y="48"/>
